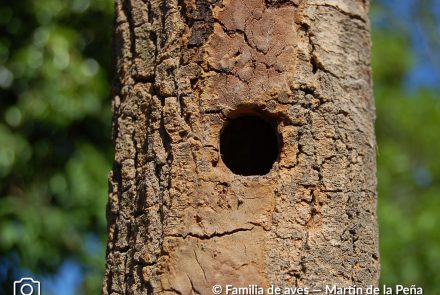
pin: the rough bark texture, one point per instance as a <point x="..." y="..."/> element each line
<point x="178" y="220"/>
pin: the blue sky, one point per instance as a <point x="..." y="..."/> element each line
<point x="422" y="28"/>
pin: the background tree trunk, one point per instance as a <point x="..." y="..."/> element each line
<point x="179" y="221"/>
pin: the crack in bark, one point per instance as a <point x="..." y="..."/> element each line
<point x="198" y="262"/>
<point x="192" y="286"/>
<point x="280" y="3"/>
<point x="213" y="235"/>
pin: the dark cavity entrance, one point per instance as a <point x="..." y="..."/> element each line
<point x="249" y="145"/>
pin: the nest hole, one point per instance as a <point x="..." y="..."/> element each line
<point x="249" y="144"/>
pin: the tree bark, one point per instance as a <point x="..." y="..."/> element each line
<point x="179" y="221"/>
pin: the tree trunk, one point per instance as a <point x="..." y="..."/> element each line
<point x="180" y="218"/>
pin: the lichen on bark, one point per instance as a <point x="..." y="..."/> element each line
<point x="178" y="220"/>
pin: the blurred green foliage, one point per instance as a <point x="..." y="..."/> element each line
<point x="407" y="129"/>
<point x="55" y="148"/>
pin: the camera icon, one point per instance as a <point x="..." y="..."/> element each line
<point x="27" y="286"/>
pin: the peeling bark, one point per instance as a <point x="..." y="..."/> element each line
<point x="178" y="220"/>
